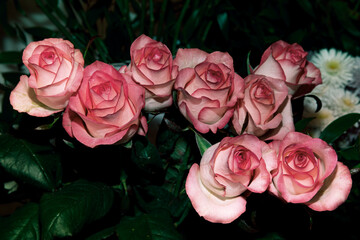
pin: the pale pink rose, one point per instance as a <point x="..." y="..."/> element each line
<point x="308" y="172"/>
<point x="152" y="67"/>
<point x="265" y="110"/>
<point x="207" y="87"/>
<point x="106" y="109"/>
<point x="56" y="71"/>
<point x="288" y="62"/>
<point x="229" y="171"/>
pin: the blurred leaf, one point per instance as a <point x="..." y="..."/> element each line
<point x="40" y="33"/>
<point x="202" y="143"/>
<point x="65" y="212"/>
<point x="307" y="6"/>
<point x="23" y="224"/>
<point x="12" y="77"/>
<point x="11" y="57"/>
<point x="337" y="128"/>
<point x="34" y="164"/>
<point x="342" y="11"/>
<point x="301" y="124"/>
<point x="103" y="234"/>
<point x="156" y="226"/>
<point x="223" y="22"/>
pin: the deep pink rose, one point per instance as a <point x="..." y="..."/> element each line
<point x="308" y="172"/>
<point x="208" y="88"/>
<point x="265" y="110"/>
<point x="106" y="109"/>
<point x="152" y="67"/>
<point x="56" y="71"/>
<point x="288" y="62"/>
<point x="229" y="171"/>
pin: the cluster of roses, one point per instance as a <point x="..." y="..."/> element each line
<point x="104" y="105"/>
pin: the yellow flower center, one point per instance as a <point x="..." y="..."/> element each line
<point x="348" y="102"/>
<point x="332" y="66"/>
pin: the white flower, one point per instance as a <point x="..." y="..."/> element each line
<point x="335" y="66"/>
<point x="355" y="83"/>
<point x="322" y="117"/>
<point x="344" y="102"/>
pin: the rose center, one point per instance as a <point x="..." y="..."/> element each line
<point x="103" y="90"/>
<point x="155" y="56"/>
<point x="48" y="57"/>
<point x="263" y="93"/>
<point x="301" y="160"/>
<point x="296" y="56"/>
<point x="241" y="158"/>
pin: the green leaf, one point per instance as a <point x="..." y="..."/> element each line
<point x="65" y="212"/>
<point x="23" y="224"/>
<point x="34" y="164"/>
<point x="155" y="226"/>
<point x="11" y="57"/>
<point x="336" y="128"/>
<point x="352" y="153"/>
<point x="202" y="143"/>
<point x="248" y="65"/>
<point x="146" y="155"/>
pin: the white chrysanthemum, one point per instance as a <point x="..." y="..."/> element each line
<point x="335" y="66"/>
<point x="355" y="83"/>
<point x="321" y="119"/>
<point x="345" y="102"/>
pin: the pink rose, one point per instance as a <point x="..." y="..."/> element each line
<point x="56" y="71"/>
<point x="228" y="172"/>
<point x="265" y="110"/>
<point x="152" y="67"/>
<point x="308" y="172"/>
<point x="289" y="62"/>
<point x="208" y="88"/>
<point x="106" y="109"/>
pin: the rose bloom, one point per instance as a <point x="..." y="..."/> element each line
<point x="106" y="109"/>
<point x="289" y="61"/>
<point x="265" y="110"/>
<point x="152" y="67"/>
<point x="308" y="172"/>
<point x="56" y="71"/>
<point x="229" y="171"/>
<point x="208" y="88"/>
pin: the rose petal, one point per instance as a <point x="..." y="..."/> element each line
<point x="213" y="208"/>
<point x="189" y="58"/>
<point x="23" y="99"/>
<point x="335" y="190"/>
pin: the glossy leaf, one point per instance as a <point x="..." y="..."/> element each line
<point x="202" y="143"/>
<point x="23" y="224"/>
<point x="35" y="164"/>
<point x="67" y="211"/>
<point x="337" y="128"/>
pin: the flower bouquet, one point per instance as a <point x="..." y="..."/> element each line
<point x="145" y="149"/>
